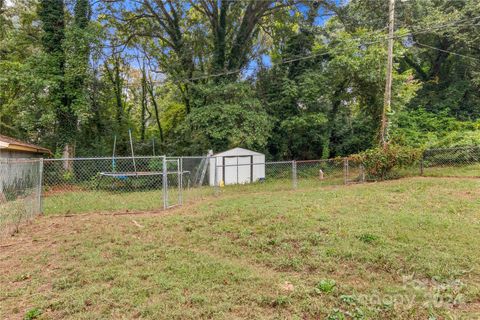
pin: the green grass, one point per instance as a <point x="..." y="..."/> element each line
<point x="14" y="212"/>
<point x="472" y="170"/>
<point x="92" y="201"/>
<point x="81" y="198"/>
<point x="87" y="201"/>
<point x="386" y="250"/>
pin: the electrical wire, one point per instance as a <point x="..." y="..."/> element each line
<point x="446" y="51"/>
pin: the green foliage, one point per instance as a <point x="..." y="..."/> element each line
<point x="368" y="238"/>
<point x="33" y="314"/>
<point x="336" y="315"/>
<point x="225" y="126"/>
<point x="68" y="176"/>
<point x="156" y="164"/>
<point x="459" y="138"/>
<point x="306" y="135"/>
<point x="78" y="39"/>
<point x="229" y="117"/>
<point x="348" y="299"/>
<point x="379" y="163"/>
<point x="52" y="15"/>
<point x="325" y="286"/>
<point x="420" y="128"/>
<point x="68" y="80"/>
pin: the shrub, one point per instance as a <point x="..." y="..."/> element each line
<point x="380" y="162"/>
<point x="68" y="176"/>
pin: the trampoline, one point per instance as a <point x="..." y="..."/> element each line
<point x="132" y="174"/>
<point x="126" y="175"/>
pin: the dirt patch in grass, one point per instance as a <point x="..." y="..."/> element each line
<point x="55" y="190"/>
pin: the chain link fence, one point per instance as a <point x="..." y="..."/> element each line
<point x="451" y="162"/>
<point x="116" y="184"/>
<point x="338" y="171"/>
<point x="253" y="177"/>
<point x="81" y="185"/>
<point x="20" y="192"/>
<point x="287" y="175"/>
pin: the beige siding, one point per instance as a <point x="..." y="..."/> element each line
<point x="18" y="154"/>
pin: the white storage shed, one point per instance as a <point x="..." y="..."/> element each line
<point x="237" y="166"/>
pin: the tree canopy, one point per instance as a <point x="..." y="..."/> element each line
<point x="295" y="79"/>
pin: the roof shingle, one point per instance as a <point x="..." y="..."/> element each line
<point x="13" y="141"/>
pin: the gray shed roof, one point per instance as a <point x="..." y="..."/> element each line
<point x="238" y="152"/>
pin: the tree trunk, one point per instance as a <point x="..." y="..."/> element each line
<point x="150" y="90"/>
<point x="143" y="98"/>
<point x="68" y="153"/>
<point x="116" y="80"/>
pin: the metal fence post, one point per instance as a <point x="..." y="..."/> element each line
<point x="345" y="170"/>
<point x="215" y="178"/>
<point x="294" y="174"/>
<point x="180" y="181"/>
<point x="40" y="186"/>
<point x="165" y="183"/>
<point x="421" y="163"/>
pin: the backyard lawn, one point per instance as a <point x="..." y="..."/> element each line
<point x="403" y="249"/>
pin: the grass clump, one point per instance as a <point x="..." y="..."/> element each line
<point x="325" y="286"/>
<point x="32" y="314"/>
<point x="368" y="238"/>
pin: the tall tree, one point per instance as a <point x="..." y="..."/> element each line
<point x="77" y="43"/>
<point x="192" y="38"/>
<point x="52" y="16"/>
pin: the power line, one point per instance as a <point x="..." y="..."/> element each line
<point x="447" y="51"/>
<point x="453" y="22"/>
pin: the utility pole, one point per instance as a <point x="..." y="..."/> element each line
<point x="387" y="101"/>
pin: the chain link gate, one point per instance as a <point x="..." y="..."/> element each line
<point x="172" y="182"/>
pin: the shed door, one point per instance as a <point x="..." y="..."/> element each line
<point x="237" y="169"/>
<point x="244" y="169"/>
<point x="230" y="170"/>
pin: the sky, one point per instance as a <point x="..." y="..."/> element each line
<point x="130" y="4"/>
<point x="266" y="60"/>
<point x="250" y="68"/>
